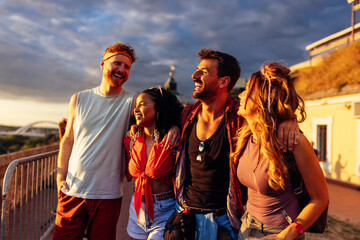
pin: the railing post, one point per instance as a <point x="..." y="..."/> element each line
<point x="1" y="201"/>
<point x="4" y="216"/>
<point x="353" y="22"/>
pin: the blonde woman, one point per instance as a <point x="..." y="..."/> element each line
<point x="269" y="99"/>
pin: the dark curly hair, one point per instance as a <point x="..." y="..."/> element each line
<point x="167" y="109"/>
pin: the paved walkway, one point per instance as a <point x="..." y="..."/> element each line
<point x="344" y="205"/>
<point x="121" y="233"/>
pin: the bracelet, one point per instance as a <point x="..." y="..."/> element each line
<point x="299" y="228"/>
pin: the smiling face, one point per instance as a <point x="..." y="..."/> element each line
<point x="206" y="79"/>
<point x="144" y="111"/>
<point x="247" y="108"/>
<point x="116" y="69"/>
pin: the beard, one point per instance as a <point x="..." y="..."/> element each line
<point x="206" y="92"/>
<point x="201" y="95"/>
<point x="120" y="78"/>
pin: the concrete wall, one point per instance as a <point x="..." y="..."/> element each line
<point x="5" y="159"/>
<point x="343" y="130"/>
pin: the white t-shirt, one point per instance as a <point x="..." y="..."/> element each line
<point x="97" y="163"/>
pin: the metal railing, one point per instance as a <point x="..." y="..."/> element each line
<point x="334" y="41"/>
<point x="29" y="197"/>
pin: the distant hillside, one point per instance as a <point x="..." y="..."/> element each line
<point x="14" y="143"/>
<point x="338" y="74"/>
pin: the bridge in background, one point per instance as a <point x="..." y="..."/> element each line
<point x="29" y="130"/>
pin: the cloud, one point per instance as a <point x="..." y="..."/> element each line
<point x="52" y="49"/>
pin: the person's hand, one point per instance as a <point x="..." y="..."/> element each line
<point x="64" y="185"/>
<point x="288" y="135"/>
<point x="172" y="137"/>
<point x="62" y="127"/>
<point x="132" y="132"/>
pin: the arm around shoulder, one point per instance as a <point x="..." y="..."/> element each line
<point x="288" y="134"/>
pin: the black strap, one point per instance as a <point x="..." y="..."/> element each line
<point x="295" y="176"/>
<point x="301" y="193"/>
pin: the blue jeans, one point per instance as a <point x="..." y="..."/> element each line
<point x="207" y="225"/>
<point x="146" y="228"/>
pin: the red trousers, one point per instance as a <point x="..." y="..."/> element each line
<point x="74" y="215"/>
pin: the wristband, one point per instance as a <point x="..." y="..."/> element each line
<point x="299" y="228"/>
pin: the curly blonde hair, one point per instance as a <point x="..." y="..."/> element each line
<point x="275" y="101"/>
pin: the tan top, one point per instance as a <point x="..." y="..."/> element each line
<point x="264" y="203"/>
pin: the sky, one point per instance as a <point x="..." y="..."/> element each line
<point x="50" y="50"/>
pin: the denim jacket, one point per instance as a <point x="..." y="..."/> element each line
<point x="237" y="195"/>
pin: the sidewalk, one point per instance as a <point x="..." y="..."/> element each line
<point x="121" y="233"/>
<point x="344" y="204"/>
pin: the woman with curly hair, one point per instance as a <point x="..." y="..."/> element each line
<point x="151" y="164"/>
<point x="269" y="99"/>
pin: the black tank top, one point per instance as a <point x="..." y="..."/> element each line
<point x="208" y="172"/>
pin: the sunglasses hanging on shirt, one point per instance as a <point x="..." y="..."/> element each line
<point x="200" y="150"/>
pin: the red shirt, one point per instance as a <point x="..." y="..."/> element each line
<point x="159" y="165"/>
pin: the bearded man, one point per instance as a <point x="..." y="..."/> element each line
<point x="91" y="163"/>
<point x="204" y="171"/>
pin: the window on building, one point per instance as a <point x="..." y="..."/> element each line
<point x="321" y="142"/>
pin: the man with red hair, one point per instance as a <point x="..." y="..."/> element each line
<point x="91" y="163"/>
